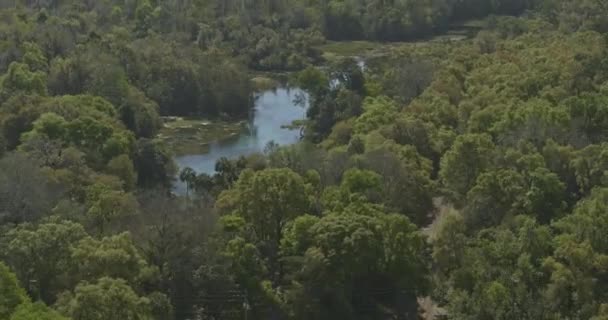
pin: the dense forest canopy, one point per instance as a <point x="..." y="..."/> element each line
<point x="446" y="179"/>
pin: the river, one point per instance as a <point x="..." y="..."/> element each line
<point x="273" y="109"/>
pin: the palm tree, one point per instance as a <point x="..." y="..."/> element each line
<point x="187" y="175"/>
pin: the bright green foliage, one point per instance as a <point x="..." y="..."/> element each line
<point x="144" y="15"/>
<point x="375" y="248"/>
<point x="312" y="80"/>
<point x="114" y="256"/>
<point x="261" y="205"/>
<point x="34" y="57"/>
<point x="356" y="261"/>
<point x="493" y="147"/>
<point x="36" y="311"/>
<point x="246" y="264"/>
<point x="85" y="122"/>
<point x="19" y="79"/>
<point x="358" y="182"/>
<point x="470" y="155"/>
<point x="268" y="200"/>
<point x="376" y="112"/>
<point x="407" y="130"/>
<point x="160" y="306"/>
<point x="298" y="237"/>
<point x="50" y="125"/>
<point x="588" y="220"/>
<point x="100" y="301"/>
<point x="16" y="305"/>
<point x="42" y="255"/>
<point x="536" y="121"/>
<point x="581" y="256"/>
<point x="499" y="274"/>
<point x="349" y="234"/>
<point x="499" y="195"/>
<point x="88" y="133"/>
<point x="11" y="294"/>
<point x="495" y="196"/>
<point x="107" y="205"/>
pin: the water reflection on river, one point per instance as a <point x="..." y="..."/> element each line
<point x="273" y="109"/>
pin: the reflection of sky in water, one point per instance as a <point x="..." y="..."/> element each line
<point x="273" y="109"/>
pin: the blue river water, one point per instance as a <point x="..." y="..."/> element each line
<point x="273" y="109"/>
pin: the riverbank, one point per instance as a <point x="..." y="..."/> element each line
<point x="194" y="135"/>
<point x="273" y="111"/>
<point x="187" y="136"/>
<point x="333" y="50"/>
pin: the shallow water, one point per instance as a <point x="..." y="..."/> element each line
<point x="273" y="109"/>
